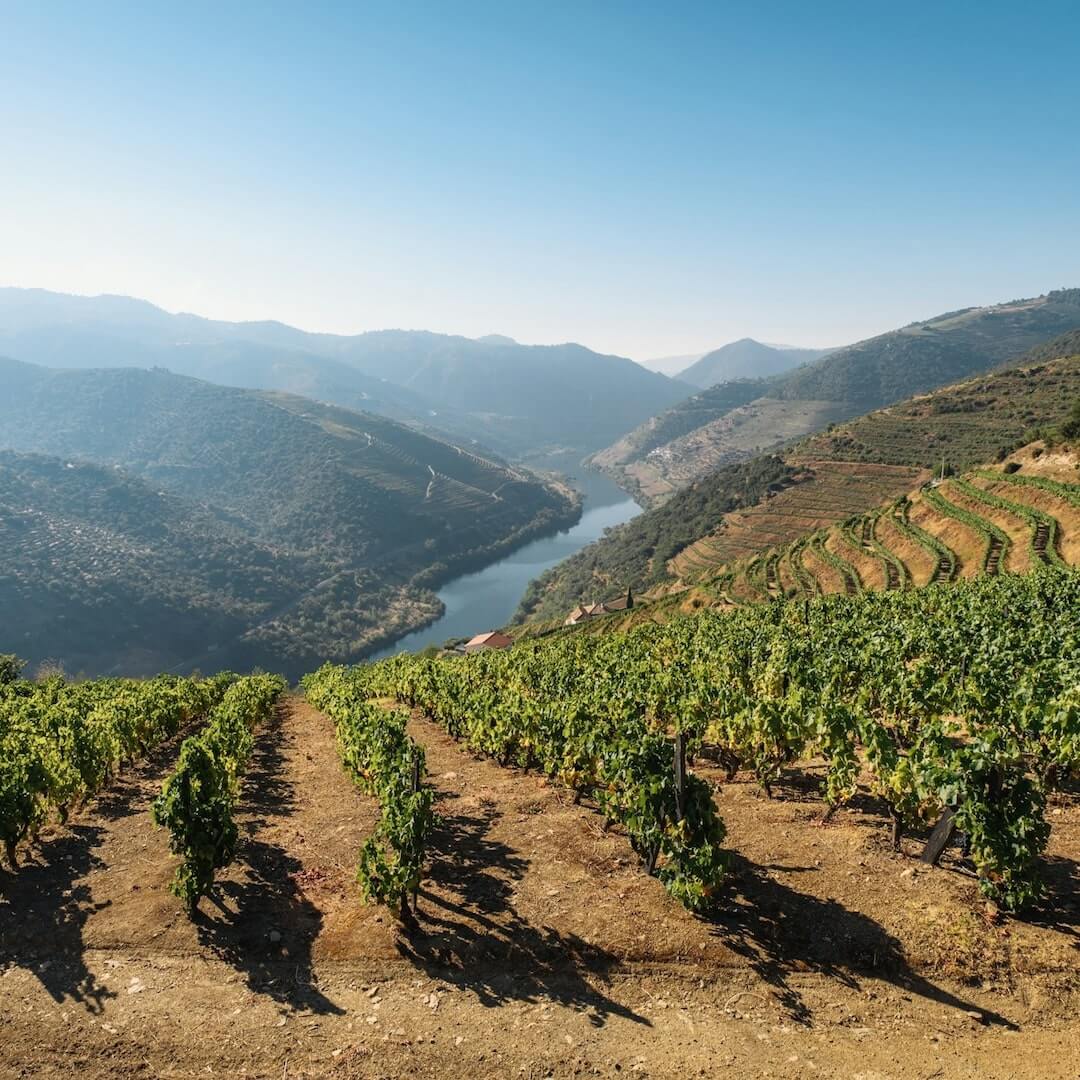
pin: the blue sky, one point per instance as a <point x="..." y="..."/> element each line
<point x="645" y="178"/>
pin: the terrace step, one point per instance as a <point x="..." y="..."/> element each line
<point x="892" y="576"/>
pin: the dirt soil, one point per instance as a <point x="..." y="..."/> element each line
<point x="542" y="949"/>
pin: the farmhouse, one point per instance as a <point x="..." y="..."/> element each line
<point x="588" y="611"/>
<point x="491" y="640"/>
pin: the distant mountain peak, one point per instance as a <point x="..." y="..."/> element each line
<point x="745" y="358"/>
<point x="497" y="339"/>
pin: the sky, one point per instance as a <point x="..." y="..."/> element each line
<point x="646" y="178"/>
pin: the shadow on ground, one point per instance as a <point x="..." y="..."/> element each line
<point x="257" y="920"/>
<point x="781" y="933"/>
<point x="48" y="904"/>
<point x="469" y="932"/>
<point x="48" y="900"/>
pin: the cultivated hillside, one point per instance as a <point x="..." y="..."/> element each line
<point x="774" y="499"/>
<point x="745" y="359"/>
<point x="518" y="399"/>
<point x="1012" y="517"/>
<point x="374" y="511"/>
<point x="720" y="426"/>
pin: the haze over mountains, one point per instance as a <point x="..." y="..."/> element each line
<point x="519" y="400"/>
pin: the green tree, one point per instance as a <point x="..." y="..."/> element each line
<point x="10" y="667"/>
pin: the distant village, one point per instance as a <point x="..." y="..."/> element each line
<point x="493" y="639"/>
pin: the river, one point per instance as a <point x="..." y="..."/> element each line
<point x="488" y="598"/>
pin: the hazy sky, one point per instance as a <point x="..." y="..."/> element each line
<point x="647" y="178"/>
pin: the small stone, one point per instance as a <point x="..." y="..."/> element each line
<point x="274" y="936"/>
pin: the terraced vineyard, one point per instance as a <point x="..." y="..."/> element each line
<point x="1012" y="517"/>
<point x="852" y="468"/>
<point x="822" y="493"/>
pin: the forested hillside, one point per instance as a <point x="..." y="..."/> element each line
<point x="520" y="400"/>
<point x="103" y="571"/>
<point x="353" y="516"/>
<point x="723" y="424"/>
<point x="774" y="499"/>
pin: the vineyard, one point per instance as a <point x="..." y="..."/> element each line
<point x="60" y="743"/>
<point x="1021" y="514"/>
<point x="436" y="864"/>
<point x="959" y="701"/>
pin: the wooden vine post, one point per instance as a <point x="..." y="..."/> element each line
<point x="679" y="772"/>
<point x="940" y="837"/>
<point x="415" y="789"/>
<point x="680" y="775"/>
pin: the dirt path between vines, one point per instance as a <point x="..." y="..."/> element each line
<point x="542" y="950"/>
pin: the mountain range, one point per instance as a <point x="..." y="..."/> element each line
<point x="735" y="420"/>
<point x="520" y="400"/>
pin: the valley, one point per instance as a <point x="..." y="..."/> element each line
<point x="253" y="528"/>
<point x="488" y="598"/>
<point x="540" y="542"/>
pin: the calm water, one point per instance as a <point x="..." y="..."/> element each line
<point x="488" y="598"/>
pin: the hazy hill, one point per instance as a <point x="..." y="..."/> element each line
<point x="518" y="399"/>
<point x="724" y="425"/>
<point x="773" y="499"/>
<point x="745" y="359"/>
<point x="671" y="365"/>
<point x="372" y="508"/>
